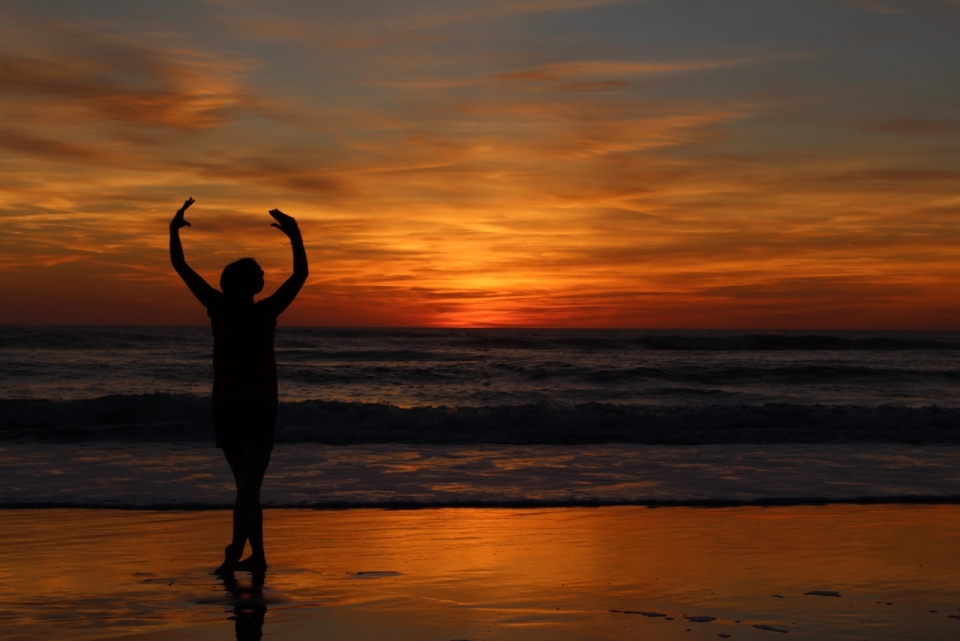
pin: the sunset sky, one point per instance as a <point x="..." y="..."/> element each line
<point x="661" y="163"/>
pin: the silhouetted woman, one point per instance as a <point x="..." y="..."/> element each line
<point x="244" y="375"/>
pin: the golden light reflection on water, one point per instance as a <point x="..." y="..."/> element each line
<point x="491" y="573"/>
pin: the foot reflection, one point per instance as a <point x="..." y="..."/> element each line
<point x="249" y="608"/>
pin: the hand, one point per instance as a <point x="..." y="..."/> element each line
<point x="178" y="220"/>
<point x="286" y="223"/>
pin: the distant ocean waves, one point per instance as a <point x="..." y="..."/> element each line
<point x="716" y="341"/>
<point x="186" y="418"/>
<point x="424" y="343"/>
<point x="501" y="367"/>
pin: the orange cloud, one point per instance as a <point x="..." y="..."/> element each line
<point x="124" y="82"/>
<point x="36" y="146"/>
<point x="564" y="70"/>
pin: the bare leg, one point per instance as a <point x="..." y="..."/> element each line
<point x="235" y="459"/>
<point x="248" y="467"/>
<point x="257" y="561"/>
<point x="247" y="513"/>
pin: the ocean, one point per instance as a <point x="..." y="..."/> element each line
<point x="119" y="416"/>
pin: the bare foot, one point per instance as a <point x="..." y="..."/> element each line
<point x="229" y="564"/>
<point x="253" y="564"/>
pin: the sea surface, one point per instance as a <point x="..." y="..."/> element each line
<point x="491" y="367"/>
<point x="108" y="416"/>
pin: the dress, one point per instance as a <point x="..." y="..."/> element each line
<point x="244" y="373"/>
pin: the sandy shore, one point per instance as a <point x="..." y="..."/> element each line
<point x="574" y="573"/>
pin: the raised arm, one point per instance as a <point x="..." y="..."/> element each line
<point x="204" y="293"/>
<point x="282" y="298"/>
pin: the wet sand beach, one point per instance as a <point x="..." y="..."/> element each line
<point x="817" y="572"/>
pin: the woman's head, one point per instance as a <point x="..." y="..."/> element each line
<point x="242" y="278"/>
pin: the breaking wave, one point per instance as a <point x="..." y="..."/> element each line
<point x="186" y="417"/>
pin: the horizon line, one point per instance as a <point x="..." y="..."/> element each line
<point x="493" y="327"/>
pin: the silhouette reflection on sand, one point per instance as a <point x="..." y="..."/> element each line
<point x="249" y="606"/>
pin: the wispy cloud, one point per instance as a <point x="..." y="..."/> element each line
<point x="616" y="68"/>
<point x="11" y="140"/>
<point x="335" y="25"/>
<point x="116" y="79"/>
